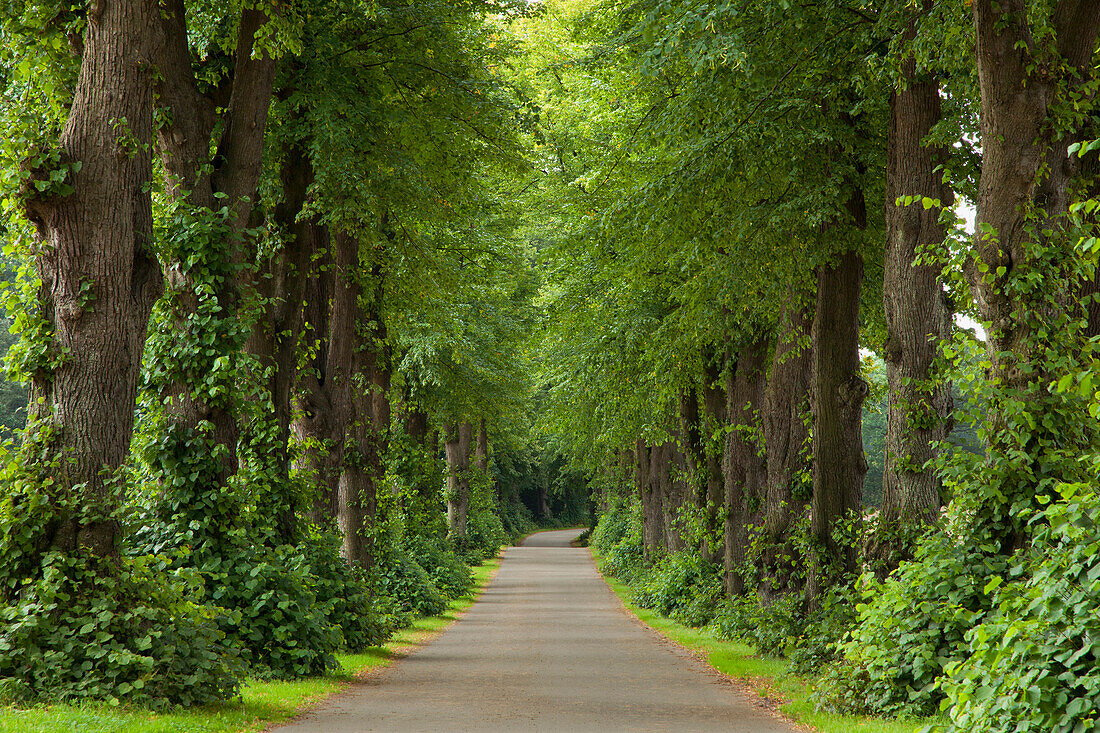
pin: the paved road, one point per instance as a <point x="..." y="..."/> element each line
<point x="548" y="647"/>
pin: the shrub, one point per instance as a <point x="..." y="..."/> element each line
<point x="516" y="518"/>
<point x="618" y="538"/>
<point x="818" y="642"/>
<point x="452" y="577"/>
<point x="398" y="576"/>
<point x="484" y="536"/>
<point x="616" y="523"/>
<point x="1034" y="662"/>
<point x="271" y="606"/>
<point x="364" y="619"/>
<point x="909" y="627"/>
<point x="681" y="586"/>
<point x="265" y="597"/>
<point x="770" y="629"/>
<point x="89" y="628"/>
<point x="76" y="626"/>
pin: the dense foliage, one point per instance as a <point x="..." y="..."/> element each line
<point x="327" y="300"/>
<point x="319" y="294"/>
<point x="714" y="180"/>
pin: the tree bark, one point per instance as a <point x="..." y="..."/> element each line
<point x="714" y="500"/>
<point x="544" y="495"/>
<point x="274" y="342"/>
<point x="918" y="318"/>
<point x="744" y="469"/>
<point x="457" y="449"/>
<point x="652" y="514"/>
<point x="1025" y="173"/>
<point x="315" y="422"/>
<point x="690" y="460"/>
<point x="99" y="275"/>
<point x="839" y="390"/>
<point x="184" y="144"/>
<point x="343" y="343"/>
<point x="693" y="450"/>
<point x="424" y="438"/>
<point x="787" y="447"/>
<point x="343" y="408"/>
<point x="664" y="489"/>
<point x="360" y="380"/>
<point x="481" y="448"/>
<point x="371" y="424"/>
<point x="683" y="493"/>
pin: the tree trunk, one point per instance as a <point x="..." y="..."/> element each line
<point x="544" y="495"/>
<point x="275" y="338"/>
<point x="457" y="449"/>
<point x="1022" y="198"/>
<point x="99" y="275"/>
<point x="481" y="448"/>
<point x="714" y="410"/>
<point x="786" y="448"/>
<point x="345" y="396"/>
<point x="184" y="144"/>
<point x="620" y="484"/>
<point x="918" y="318"/>
<point x="744" y="467"/>
<point x="693" y="452"/>
<point x="343" y="412"/>
<point x="690" y="459"/>
<point x="359" y="370"/>
<point x="416" y="424"/>
<point x="315" y="422"/>
<point x="372" y="414"/>
<point x="652" y="516"/>
<point x="420" y="433"/>
<point x="663" y="488"/>
<point x="682" y="496"/>
<point x="839" y="391"/>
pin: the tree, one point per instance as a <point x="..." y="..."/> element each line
<point x="87" y="194"/>
<point x="786" y="417"/>
<point x="90" y="204"/>
<point x="918" y="317"/>
<point x="1025" y="69"/>
<point x="209" y="200"/>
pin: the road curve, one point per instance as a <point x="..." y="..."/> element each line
<point x="547" y="647"/>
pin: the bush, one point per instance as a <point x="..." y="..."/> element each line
<point x="89" y="628"/>
<point x="452" y="577"/>
<point x="682" y="586"/>
<point x="484" y="536"/>
<point x="770" y="629"/>
<point x="74" y="625"/>
<point x="909" y="627"/>
<point x="1034" y="662"/>
<point x="516" y="518"/>
<point x="364" y="619"/>
<point x="616" y="523"/>
<point x="271" y="607"/>
<point x="618" y="538"/>
<point x="398" y="576"/>
<point x="269" y="594"/>
<point x="818" y="642"/>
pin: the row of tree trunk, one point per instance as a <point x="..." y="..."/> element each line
<point x="100" y="279"/>
<point x="789" y="402"/>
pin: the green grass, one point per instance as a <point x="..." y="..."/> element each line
<point x="261" y="704"/>
<point x="768" y="676"/>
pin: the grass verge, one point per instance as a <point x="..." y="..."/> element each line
<point x="768" y="677"/>
<point x="261" y="705"/>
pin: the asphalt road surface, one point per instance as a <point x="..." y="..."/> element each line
<point x="548" y="647"/>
